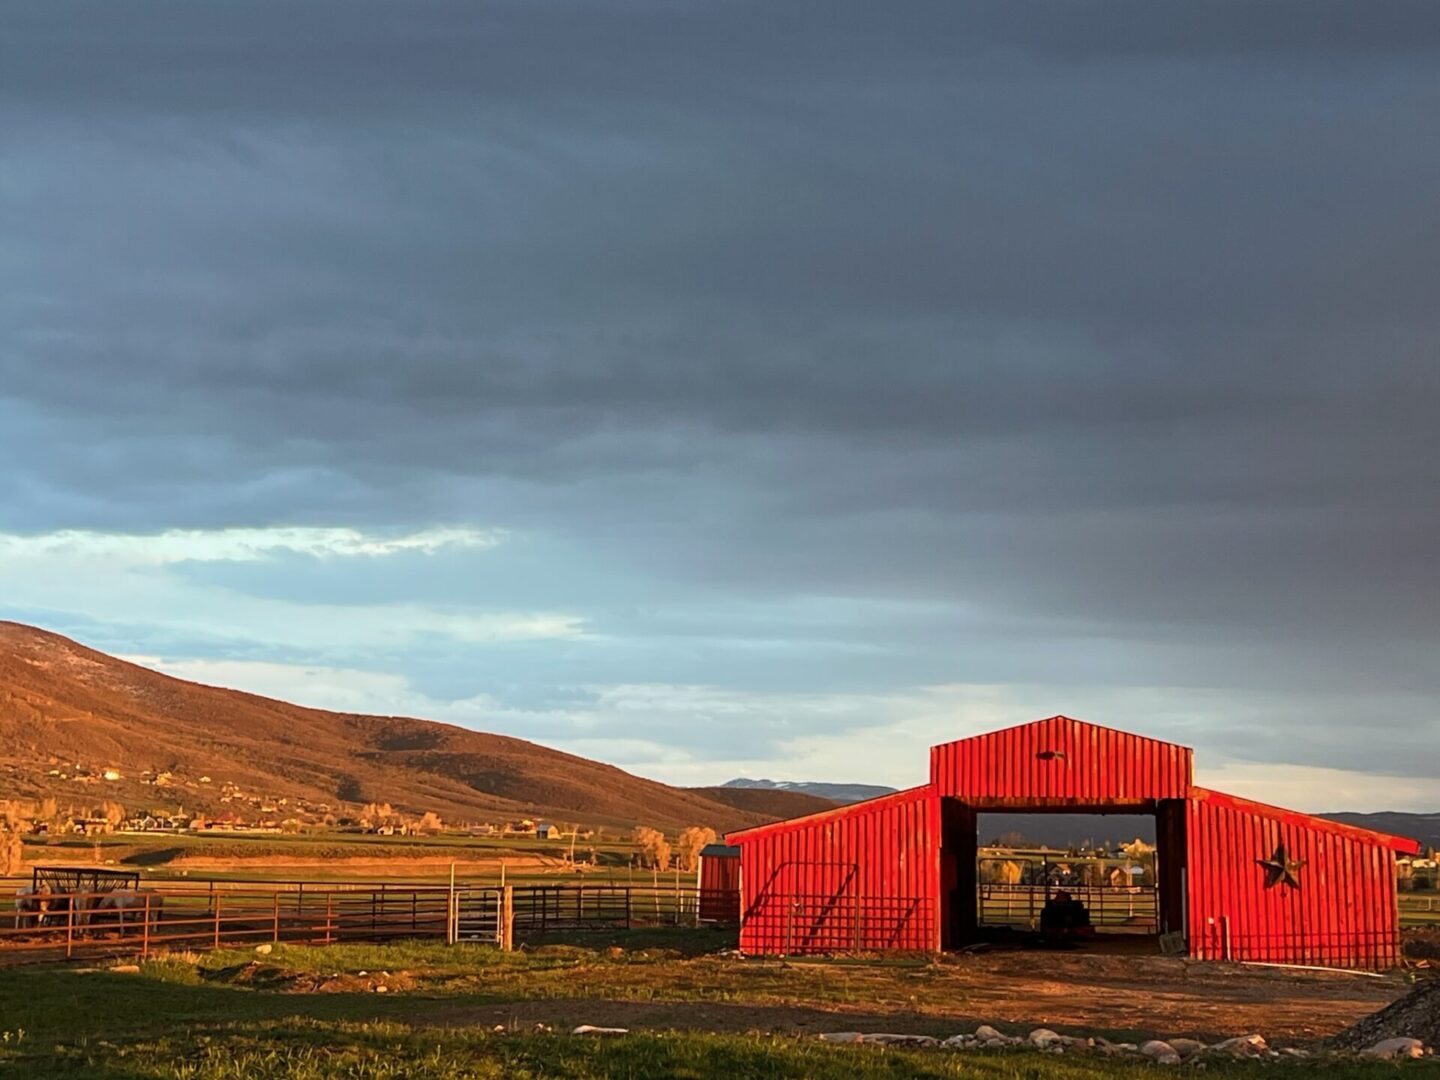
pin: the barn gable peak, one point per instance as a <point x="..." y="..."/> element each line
<point x="1061" y="762"/>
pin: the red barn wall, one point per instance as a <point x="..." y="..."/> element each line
<point x="1060" y="762"/>
<point x="1343" y="914"/>
<point x="861" y="877"/>
<point x="720" y="873"/>
<point x="719" y="888"/>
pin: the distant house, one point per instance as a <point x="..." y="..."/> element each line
<point x="544" y="830"/>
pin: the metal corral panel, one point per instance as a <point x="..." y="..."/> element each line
<point x="859" y="878"/>
<point x="1060" y="762"/>
<point x="1340" y="913"/>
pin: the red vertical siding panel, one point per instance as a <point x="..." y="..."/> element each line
<point x="865" y="876"/>
<point x="1083" y="763"/>
<point x="1342" y="914"/>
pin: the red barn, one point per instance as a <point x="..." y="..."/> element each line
<point x="1234" y="879"/>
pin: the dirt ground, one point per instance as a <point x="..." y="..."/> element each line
<point x="1077" y="994"/>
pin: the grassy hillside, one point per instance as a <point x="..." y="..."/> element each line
<point x="68" y="714"/>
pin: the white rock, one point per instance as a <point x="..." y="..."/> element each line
<point x="1242" y="1046"/>
<point x="1186" y="1048"/>
<point x="590" y="1029"/>
<point x="959" y="1042"/>
<point x="883" y="1038"/>
<point x="1044" y="1038"/>
<point x="985" y="1032"/>
<point x="840" y="1037"/>
<point x="1160" y="1052"/>
<point x="1395" y="1049"/>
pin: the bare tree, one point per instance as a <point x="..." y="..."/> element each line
<point x="12" y="850"/>
<point x="691" y="842"/>
<point x="653" y="846"/>
<point x="377" y="815"/>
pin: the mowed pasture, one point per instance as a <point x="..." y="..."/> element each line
<point x="331" y="854"/>
<point x="470" y="1011"/>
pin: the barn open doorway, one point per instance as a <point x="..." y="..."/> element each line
<point x="1111" y="878"/>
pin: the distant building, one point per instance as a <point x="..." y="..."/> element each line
<point x="544" y="830"/>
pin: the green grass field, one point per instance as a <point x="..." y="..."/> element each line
<point x="235" y="1014"/>
<point x="301" y="1049"/>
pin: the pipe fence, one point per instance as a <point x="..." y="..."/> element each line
<point x="199" y="915"/>
<point x="1113" y="908"/>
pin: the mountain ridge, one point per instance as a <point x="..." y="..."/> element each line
<point x="70" y="716"/>
<point x="833" y="792"/>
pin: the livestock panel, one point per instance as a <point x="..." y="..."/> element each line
<point x="1060" y="762"/>
<point x="860" y="878"/>
<point x="1274" y="886"/>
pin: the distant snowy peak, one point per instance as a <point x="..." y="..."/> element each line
<point x="842" y="793"/>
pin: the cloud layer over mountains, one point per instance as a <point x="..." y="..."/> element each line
<point x="742" y="388"/>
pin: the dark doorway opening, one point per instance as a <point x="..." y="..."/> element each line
<point x="1066" y="876"/>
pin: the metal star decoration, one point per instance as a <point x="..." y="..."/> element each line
<point x="1280" y="869"/>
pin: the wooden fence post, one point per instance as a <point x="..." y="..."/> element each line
<point x="507" y="918"/>
<point x="329" y="910"/>
<point x="145" y="931"/>
<point x="275" y="932"/>
<point x="452" y="912"/>
<point x="215" y="901"/>
<point x="69" y="927"/>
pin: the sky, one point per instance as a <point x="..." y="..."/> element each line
<point x="729" y="389"/>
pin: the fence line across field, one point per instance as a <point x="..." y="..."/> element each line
<point x="210" y="915"/>
<point x="1133" y="907"/>
<point x="197" y="915"/>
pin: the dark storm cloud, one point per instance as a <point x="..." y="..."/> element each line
<point x="1110" y="330"/>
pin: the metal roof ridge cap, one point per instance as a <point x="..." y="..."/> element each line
<point x="1069" y="719"/>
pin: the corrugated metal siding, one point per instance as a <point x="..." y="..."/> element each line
<point x="1058" y="762"/>
<point x="865" y="877"/>
<point x="720" y="872"/>
<point x="720" y="888"/>
<point x="1342" y="915"/>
